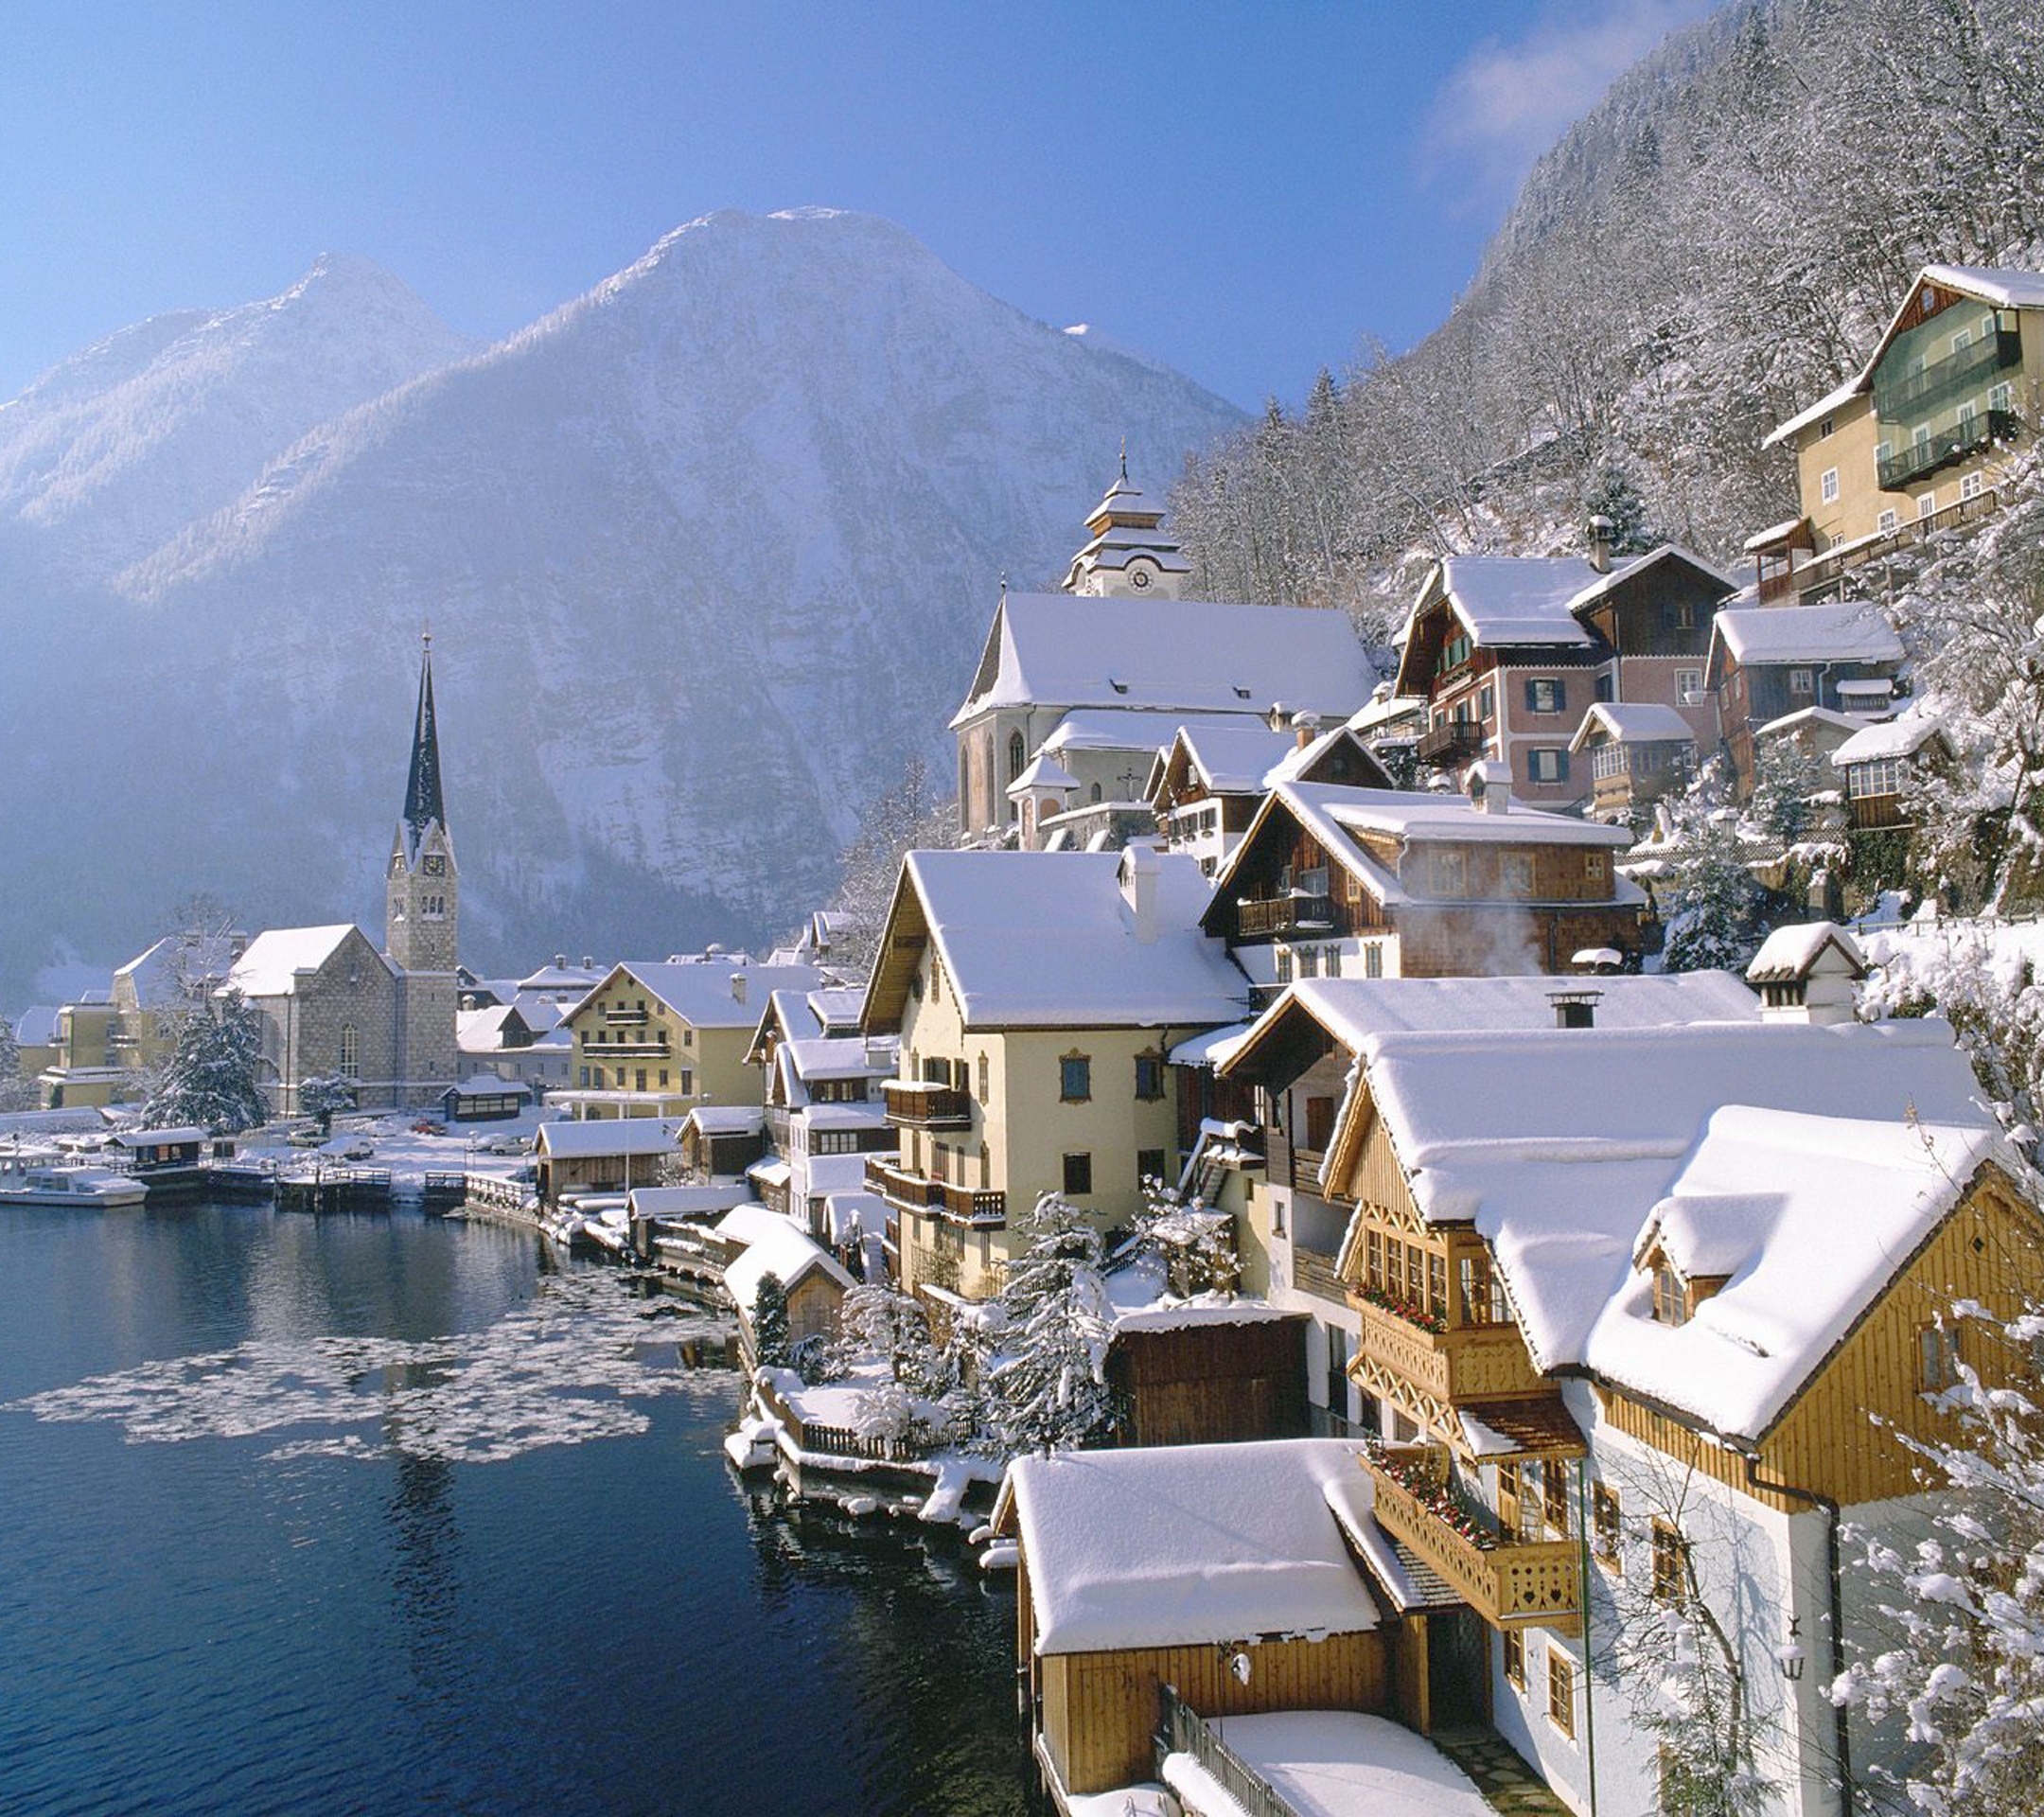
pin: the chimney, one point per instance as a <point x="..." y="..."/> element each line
<point x="561" y="961"/>
<point x="589" y="963"/>
<point x="1575" y="1009"/>
<point x="1140" y="889"/>
<point x="1278" y="716"/>
<point x="738" y="987"/>
<point x="1305" y="728"/>
<point x="1488" y="781"/>
<point x="1602" y="537"/>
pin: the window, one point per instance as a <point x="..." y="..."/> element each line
<point x="351" y="1052"/>
<point x="1017" y="755"/>
<point x="1515" y="1657"/>
<point x="1373" y="959"/>
<point x="1886" y="522"/>
<point x="1685" y="615"/>
<point x="1560" y="1690"/>
<point x="664" y="1076"/>
<point x="1544" y="694"/>
<point x="1937" y="1358"/>
<point x="1688" y="681"/>
<point x="1308" y="962"/>
<point x="1150" y="1166"/>
<point x="834" y="1141"/>
<point x="1824" y="429"/>
<point x="1555" y="1495"/>
<point x="1878" y="776"/>
<point x="1604" y="1522"/>
<point x="985" y="1071"/>
<point x="1519" y="873"/>
<point x="1883" y="452"/>
<point x="1962" y="339"/>
<point x="1332" y="964"/>
<point x="1670" y="1561"/>
<point x="1671" y="1298"/>
<point x="1078" y="1176"/>
<point x="1971" y="486"/>
<point x="1547" y="764"/>
<point x="1926" y="504"/>
<point x="1827" y="485"/>
<point x="688" y="1079"/>
<point x="1802" y="681"/>
<point x="639" y="1079"/>
<point x="2000" y="397"/>
<point x="1450" y="875"/>
<point x="1149" y="1076"/>
<point x="1319" y="1123"/>
<point x="1075" y="1079"/>
<point x="1485" y="703"/>
<point x="1284" y="965"/>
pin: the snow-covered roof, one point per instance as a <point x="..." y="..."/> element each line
<point x="1336" y="1763"/>
<point x="159" y="1138"/>
<point x="583" y="1140"/>
<point x="1520" y="599"/>
<point x="1814" y="717"/>
<point x="1846" y="630"/>
<point x="1233" y="757"/>
<point x="1774" y="533"/>
<point x="838" y="1056"/>
<point x="787" y="1253"/>
<point x="483" y="1030"/>
<point x="277" y="956"/>
<point x="1550" y="1144"/>
<point x="726" y="1119"/>
<point x="1626" y="572"/>
<point x="1050" y="940"/>
<point x="489" y="1085"/>
<point x="1043" y="771"/>
<point x="1188" y="655"/>
<point x="1902" y="736"/>
<point x="1238" y="1542"/>
<point x="562" y="976"/>
<point x="161" y="975"/>
<point x="684" y="1200"/>
<point x="1117" y="729"/>
<point x="750" y="1222"/>
<point x="1802" y="419"/>
<point x="1810" y="1217"/>
<point x="705" y="992"/>
<point x="1788" y="954"/>
<point x="1634" y="722"/>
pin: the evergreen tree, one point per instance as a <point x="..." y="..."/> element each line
<point x="1610" y="493"/>
<point x="1710" y="902"/>
<point x="322" y="1096"/>
<point x="1049" y="1389"/>
<point x="211" y="1077"/>
<point x="16" y="1092"/>
<point x="771" y="1323"/>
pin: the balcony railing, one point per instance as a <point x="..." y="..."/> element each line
<point x="1963" y="370"/>
<point x="1467" y="1363"/>
<point x="1282" y="914"/>
<point x="1912" y="463"/>
<point x="619" y="1017"/>
<point x="1826" y="574"/>
<point x="1314" y="1273"/>
<point x="907" y="1192"/>
<point x="640" y="1050"/>
<point x="919" y="1104"/>
<point x="1509" y="1582"/>
<point x="1453" y="741"/>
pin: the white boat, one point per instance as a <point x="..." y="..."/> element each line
<point x="67" y="1186"/>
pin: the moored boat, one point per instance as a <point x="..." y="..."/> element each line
<point x="67" y="1186"/>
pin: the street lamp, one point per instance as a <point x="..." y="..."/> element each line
<point x="1790" y="1655"/>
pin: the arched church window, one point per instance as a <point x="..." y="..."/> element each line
<point x="1017" y="755"/>
<point x="1096" y="792"/>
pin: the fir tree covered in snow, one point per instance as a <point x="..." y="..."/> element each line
<point x="1958" y="1670"/>
<point x="1708" y="897"/>
<point x="211" y="1076"/>
<point x="16" y="1092"/>
<point x="1193" y="1247"/>
<point x="771" y="1323"/>
<point x="1047" y="1391"/>
<point x="322" y="1097"/>
<point x="1609" y="494"/>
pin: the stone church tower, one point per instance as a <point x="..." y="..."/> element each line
<point x="422" y="906"/>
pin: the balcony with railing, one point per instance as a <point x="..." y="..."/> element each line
<point x="1908" y="464"/>
<point x="920" y="1105"/>
<point x="1830" y="574"/>
<point x="622" y="1018"/>
<point x="1462" y="1364"/>
<point x="1283" y="914"/>
<point x="1912" y="394"/>
<point x="641" y="1048"/>
<point x="1451" y="742"/>
<point x="1510" y="1583"/>
<point x="978" y="1209"/>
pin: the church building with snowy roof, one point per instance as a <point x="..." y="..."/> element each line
<point x="332" y="1005"/>
<point x="1078" y="691"/>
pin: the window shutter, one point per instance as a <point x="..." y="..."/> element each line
<point x="1561" y="765"/>
<point x="1532" y="697"/>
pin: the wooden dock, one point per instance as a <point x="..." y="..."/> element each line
<point x="346" y="1189"/>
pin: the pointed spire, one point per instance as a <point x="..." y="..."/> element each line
<point x="423" y="806"/>
<point x="1124" y="460"/>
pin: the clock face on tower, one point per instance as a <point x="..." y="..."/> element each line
<point x="435" y="866"/>
<point x="1140" y="577"/>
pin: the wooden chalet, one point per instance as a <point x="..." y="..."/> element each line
<point x="1636" y="753"/>
<point x="1880" y="766"/>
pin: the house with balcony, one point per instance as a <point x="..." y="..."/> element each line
<point x="656" y="1038"/>
<point x="1636" y="754"/>
<point x="1296" y="1059"/>
<point x="1916" y="439"/>
<point x="1333" y="882"/>
<point x="1098" y="676"/>
<point x="1649" y="1313"/>
<point x="1768" y="662"/>
<point x="1206" y="785"/>
<point x="1036" y="997"/>
<point x="1510" y="652"/>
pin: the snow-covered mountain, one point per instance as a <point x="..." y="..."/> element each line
<point x="707" y="553"/>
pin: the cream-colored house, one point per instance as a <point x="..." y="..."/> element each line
<point x="1037" y="997"/>
<point x="658" y="1038"/>
<point x="1917" y="437"/>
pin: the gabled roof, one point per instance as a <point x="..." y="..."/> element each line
<point x="1845" y="630"/>
<point x="1238" y="1541"/>
<point x="1814" y="718"/>
<point x="276" y="957"/>
<point x="705" y="992"/>
<point x="1902" y="736"/>
<point x="1043" y="771"/>
<point x="785" y="1252"/>
<point x="1050" y="940"/>
<point x="1174" y="654"/>
<point x="599" y="1137"/>
<point x="1789" y="954"/>
<point x="1633" y="722"/>
<point x="1624" y="573"/>
<point x="2001" y="289"/>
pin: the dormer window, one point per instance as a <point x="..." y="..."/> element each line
<point x="1671" y="1298"/>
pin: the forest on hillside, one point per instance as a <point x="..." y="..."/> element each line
<point x="1717" y="243"/>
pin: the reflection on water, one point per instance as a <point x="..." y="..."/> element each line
<point x="375" y="1515"/>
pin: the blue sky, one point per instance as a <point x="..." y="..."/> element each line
<point x="1242" y="190"/>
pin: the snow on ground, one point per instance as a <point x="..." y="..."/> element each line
<point x="407" y="1152"/>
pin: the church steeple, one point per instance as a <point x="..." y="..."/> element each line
<point x="1130" y="555"/>
<point x="423" y="806"/>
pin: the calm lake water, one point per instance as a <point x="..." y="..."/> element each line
<point x="382" y="1515"/>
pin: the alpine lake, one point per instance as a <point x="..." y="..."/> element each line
<point x="391" y="1514"/>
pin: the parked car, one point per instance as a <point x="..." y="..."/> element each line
<point x="429" y="1126"/>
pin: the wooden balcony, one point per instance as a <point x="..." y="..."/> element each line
<point x="919" y="1104"/>
<point x="1314" y="1273"/>
<point x="631" y="1050"/>
<point x="925" y="1197"/>
<point x="1510" y="1583"/>
<point x="621" y="1017"/>
<point x="1451" y="742"/>
<point x="1282" y="915"/>
<point x="1469" y="1363"/>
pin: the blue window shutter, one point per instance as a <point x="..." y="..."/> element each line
<point x="1532" y="698"/>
